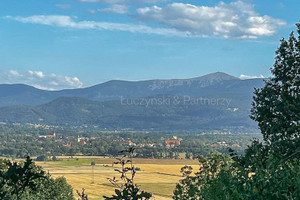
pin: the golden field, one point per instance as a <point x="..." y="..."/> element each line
<point x="158" y="176"/>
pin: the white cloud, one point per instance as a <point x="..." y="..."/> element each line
<point x="38" y="74"/>
<point x="115" y="8"/>
<point x="233" y="20"/>
<point x="69" y="22"/>
<point x="73" y="81"/>
<point x="40" y="80"/>
<point x="14" y="73"/>
<point x="54" y="20"/>
<point x="243" y="76"/>
<point x="43" y="87"/>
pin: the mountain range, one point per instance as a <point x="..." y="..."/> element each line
<point x="201" y="104"/>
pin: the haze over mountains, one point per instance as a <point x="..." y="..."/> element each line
<point x="215" y="100"/>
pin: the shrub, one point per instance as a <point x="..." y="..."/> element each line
<point x="26" y="181"/>
<point x="128" y="189"/>
<point x="42" y="158"/>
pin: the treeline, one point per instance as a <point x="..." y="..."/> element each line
<point x="20" y="142"/>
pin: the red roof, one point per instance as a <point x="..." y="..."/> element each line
<point x="82" y="141"/>
<point x="68" y="145"/>
<point x="175" y="142"/>
<point x="51" y="136"/>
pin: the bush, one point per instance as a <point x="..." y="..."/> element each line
<point x="137" y="169"/>
<point x="26" y="181"/>
<point x="54" y="158"/>
<point x="42" y="158"/>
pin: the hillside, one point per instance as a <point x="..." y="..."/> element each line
<point x="73" y="111"/>
<point x="136" y="104"/>
<point x="212" y="84"/>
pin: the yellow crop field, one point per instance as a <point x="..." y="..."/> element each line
<point x="158" y="176"/>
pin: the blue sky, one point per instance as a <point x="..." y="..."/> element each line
<point x="79" y="43"/>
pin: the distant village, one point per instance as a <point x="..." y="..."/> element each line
<point x="68" y="141"/>
<point x="39" y="140"/>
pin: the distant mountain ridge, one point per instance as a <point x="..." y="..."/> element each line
<point x="136" y="104"/>
<point x="18" y="94"/>
<point x="202" y="81"/>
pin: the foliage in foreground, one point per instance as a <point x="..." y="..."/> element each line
<point x="269" y="170"/>
<point x="127" y="190"/>
<point x="253" y="176"/>
<point x="26" y="181"/>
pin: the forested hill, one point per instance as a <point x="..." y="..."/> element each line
<point x="146" y="113"/>
<point x="216" y="83"/>
<point x="213" y="101"/>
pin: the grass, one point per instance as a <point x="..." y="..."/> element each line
<point x="158" y="176"/>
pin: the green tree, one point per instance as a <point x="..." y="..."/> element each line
<point x="268" y="170"/>
<point x="276" y="106"/>
<point x="213" y="181"/>
<point x="26" y="181"/>
<point x="42" y="158"/>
